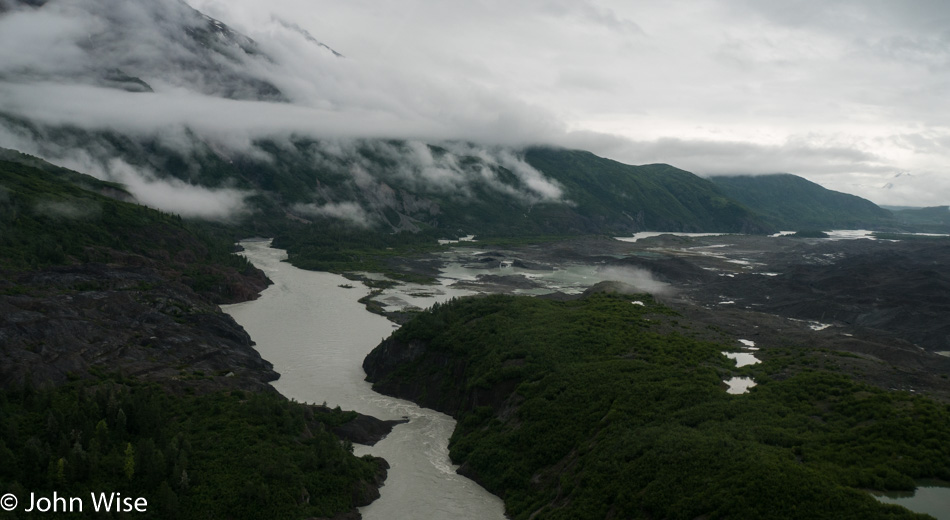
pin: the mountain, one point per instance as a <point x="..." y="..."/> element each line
<point x="935" y="219"/>
<point x="119" y="371"/>
<point x="133" y="45"/>
<point x="80" y="271"/>
<point x="617" y="196"/>
<point x="459" y="188"/>
<point x="157" y="56"/>
<point x="790" y="202"/>
<point x="265" y="177"/>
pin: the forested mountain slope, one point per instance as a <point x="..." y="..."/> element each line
<point x="119" y="372"/>
<point x="792" y="203"/>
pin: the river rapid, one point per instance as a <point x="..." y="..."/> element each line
<point x="316" y="334"/>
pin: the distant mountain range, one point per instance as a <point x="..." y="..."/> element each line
<point x="935" y="219"/>
<point x="790" y="202"/>
<point x="266" y="183"/>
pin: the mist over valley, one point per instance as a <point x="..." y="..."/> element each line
<point x="256" y="265"/>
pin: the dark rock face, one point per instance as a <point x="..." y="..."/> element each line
<point x="436" y="380"/>
<point x="368" y="492"/>
<point x="391" y="354"/>
<point x="670" y="270"/>
<point x="901" y="290"/>
<point x="366" y="429"/>
<point x="64" y="322"/>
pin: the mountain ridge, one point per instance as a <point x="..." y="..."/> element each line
<point x="264" y="183"/>
<point x="791" y="202"/>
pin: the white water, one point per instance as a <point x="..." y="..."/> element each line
<point x="316" y="334"/>
<point x="458" y="278"/>
<point x="650" y="234"/>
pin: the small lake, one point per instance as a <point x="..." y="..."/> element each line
<point x="739" y="385"/>
<point x="932" y="497"/>
<point x="742" y="358"/>
<point x="650" y="234"/>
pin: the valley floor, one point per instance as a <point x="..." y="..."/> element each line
<point x="883" y="301"/>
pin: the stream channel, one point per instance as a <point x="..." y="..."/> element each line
<point x="316" y="334"/>
<point x="310" y="325"/>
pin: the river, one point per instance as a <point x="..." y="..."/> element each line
<point x="316" y="334"/>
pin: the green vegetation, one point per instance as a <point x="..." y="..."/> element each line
<point x="599" y="196"/>
<point x="935" y="219"/>
<point x="611" y="197"/>
<point x="790" y="202"/>
<point x="404" y="186"/>
<point x="584" y="409"/>
<point x="223" y="455"/>
<point x="53" y="216"/>
<point x="337" y="248"/>
<point x="227" y="454"/>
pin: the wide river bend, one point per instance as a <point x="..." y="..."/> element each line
<point x="316" y="334"/>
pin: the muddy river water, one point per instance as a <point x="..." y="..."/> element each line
<point x="316" y="334"/>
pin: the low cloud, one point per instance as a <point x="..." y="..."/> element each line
<point x="166" y="194"/>
<point x="54" y="60"/>
<point x="641" y="280"/>
<point x="446" y="168"/>
<point x="757" y="78"/>
<point x="177" y="196"/>
<point x="349" y="212"/>
<point x="718" y="157"/>
<point x="849" y="167"/>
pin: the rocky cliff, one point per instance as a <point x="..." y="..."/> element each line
<point x="68" y="322"/>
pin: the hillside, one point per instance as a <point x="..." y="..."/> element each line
<point x="119" y="372"/>
<point x="136" y="44"/>
<point x="413" y="186"/>
<point x="596" y="408"/>
<point x="925" y="220"/>
<point x="792" y="203"/>
<point x="614" y="196"/>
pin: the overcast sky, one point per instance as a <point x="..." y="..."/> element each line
<point x="854" y="95"/>
<point x="846" y="93"/>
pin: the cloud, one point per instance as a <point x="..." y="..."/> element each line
<point x="349" y="212"/>
<point x="46" y="43"/>
<point x="176" y="196"/>
<point x="709" y="157"/>
<point x="834" y="91"/>
<point x="386" y="176"/>
<point x="832" y="161"/>
<point x="167" y="194"/>
<point x="453" y="169"/>
<point x="640" y="279"/>
<point x="132" y="44"/>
